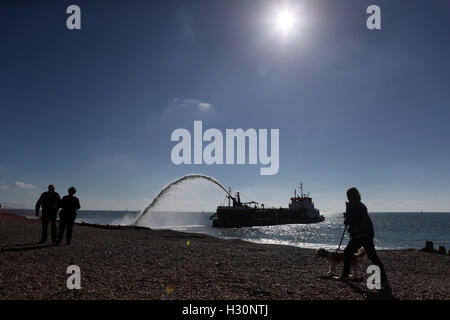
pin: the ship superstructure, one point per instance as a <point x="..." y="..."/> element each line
<point x="238" y="214"/>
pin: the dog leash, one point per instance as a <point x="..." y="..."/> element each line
<point x="342" y="238"/>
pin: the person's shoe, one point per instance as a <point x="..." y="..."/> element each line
<point x="41" y="242"/>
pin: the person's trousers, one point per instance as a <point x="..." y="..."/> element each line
<point x="356" y="242"/>
<point x="66" y="221"/>
<point x="48" y="217"/>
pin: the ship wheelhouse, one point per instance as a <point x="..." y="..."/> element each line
<point x="303" y="203"/>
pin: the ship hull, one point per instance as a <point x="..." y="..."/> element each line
<point x="237" y="217"/>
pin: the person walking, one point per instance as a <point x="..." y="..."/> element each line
<point x="360" y="228"/>
<point x="49" y="201"/>
<point x="69" y="206"/>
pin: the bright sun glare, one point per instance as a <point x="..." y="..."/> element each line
<point x="285" y="21"/>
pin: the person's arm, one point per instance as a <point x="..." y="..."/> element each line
<point x="77" y="205"/>
<point x="38" y="205"/>
<point x="346" y="216"/>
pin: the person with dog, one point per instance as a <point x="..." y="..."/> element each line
<point x="360" y="228"/>
<point x="69" y="206"/>
<point x="49" y="201"/>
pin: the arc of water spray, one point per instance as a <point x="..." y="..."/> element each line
<point x="173" y="183"/>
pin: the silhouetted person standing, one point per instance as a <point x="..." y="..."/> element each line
<point x="361" y="231"/>
<point x="69" y="206"/>
<point x="49" y="201"/>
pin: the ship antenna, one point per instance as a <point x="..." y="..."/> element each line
<point x="301" y="189"/>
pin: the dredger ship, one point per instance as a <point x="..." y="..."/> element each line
<point x="248" y="214"/>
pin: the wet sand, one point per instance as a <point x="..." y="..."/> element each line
<point x="164" y="264"/>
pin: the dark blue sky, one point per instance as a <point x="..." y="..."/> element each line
<point x="95" y="107"/>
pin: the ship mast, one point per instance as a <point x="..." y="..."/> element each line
<point x="301" y="189"/>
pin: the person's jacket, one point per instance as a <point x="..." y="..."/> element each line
<point x="357" y="219"/>
<point x="69" y="205"/>
<point x="49" y="201"/>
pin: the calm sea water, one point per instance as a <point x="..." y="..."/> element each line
<point x="398" y="230"/>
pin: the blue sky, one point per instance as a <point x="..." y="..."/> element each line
<point x="95" y="108"/>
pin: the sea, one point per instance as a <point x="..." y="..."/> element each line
<point x="393" y="230"/>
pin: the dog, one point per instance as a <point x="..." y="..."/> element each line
<point x="337" y="257"/>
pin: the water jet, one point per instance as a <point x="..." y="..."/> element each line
<point x="173" y="183"/>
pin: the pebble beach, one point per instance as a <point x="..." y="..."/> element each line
<point x="170" y="265"/>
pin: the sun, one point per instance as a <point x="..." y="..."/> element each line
<point x="285" y="21"/>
